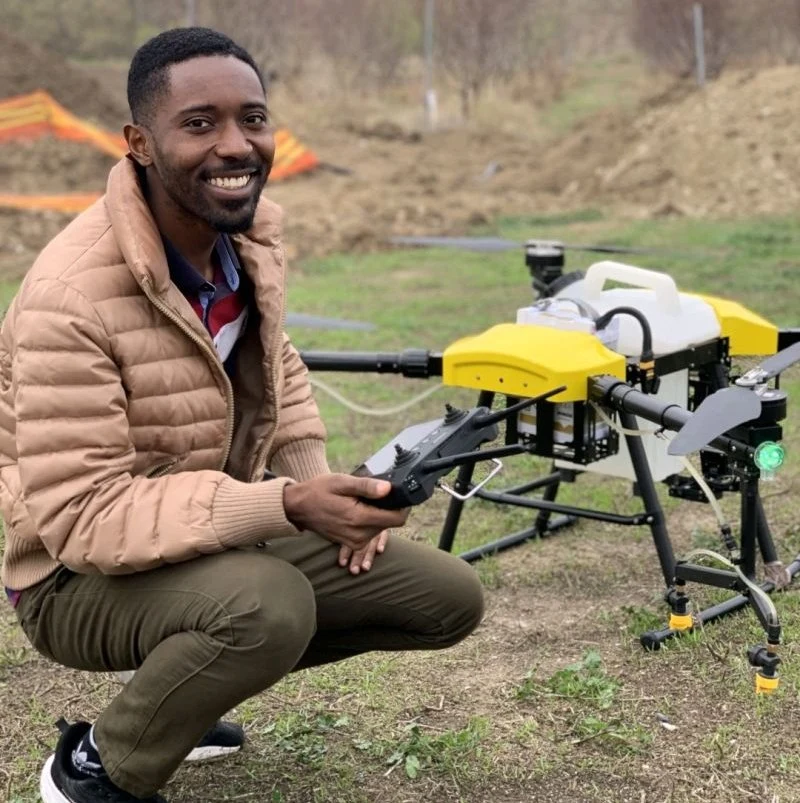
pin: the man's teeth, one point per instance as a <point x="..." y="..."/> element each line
<point x="230" y="183"/>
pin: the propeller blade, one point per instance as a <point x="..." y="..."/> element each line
<point x="462" y="243"/>
<point x="487" y="244"/>
<point x="613" y="249"/>
<point x="778" y="363"/>
<point x="318" y="322"/>
<point x="717" y="413"/>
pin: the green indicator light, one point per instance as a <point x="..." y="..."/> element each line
<point x="769" y="456"/>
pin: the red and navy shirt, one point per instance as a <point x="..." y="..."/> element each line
<point x="221" y="305"/>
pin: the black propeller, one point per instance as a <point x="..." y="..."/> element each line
<point x="772" y="366"/>
<point x="485" y="244"/>
<point x="730" y="407"/>
<point x="717" y="413"/>
<point x="318" y="322"/>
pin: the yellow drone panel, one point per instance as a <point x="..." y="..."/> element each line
<point x="526" y="360"/>
<point x="747" y="332"/>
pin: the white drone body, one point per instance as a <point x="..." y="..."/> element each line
<point x="677" y="321"/>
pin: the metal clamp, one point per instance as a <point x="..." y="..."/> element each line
<point x="498" y="466"/>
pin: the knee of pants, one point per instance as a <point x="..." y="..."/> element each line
<point x="459" y="597"/>
<point x="269" y="612"/>
<point x="468" y="593"/>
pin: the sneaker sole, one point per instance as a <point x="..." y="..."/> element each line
<point x="210" y="752"/>
<point x="47" y="788"/>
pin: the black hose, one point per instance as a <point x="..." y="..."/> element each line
<point x="647" y="334"/>
<point x="647" y="364"/>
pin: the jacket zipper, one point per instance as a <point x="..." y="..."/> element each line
<point x="262" y="452"/>
<point x="160" y="471"/>
<point x="178" y="321"/>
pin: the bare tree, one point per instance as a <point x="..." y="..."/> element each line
<point x="478" y="40"/>
<point x="664" y="31"/>
<point x="366" y="39"/>
<point x="271" y="30"/>
<point x="767" y="32"/>
<point x="71" y="29"/>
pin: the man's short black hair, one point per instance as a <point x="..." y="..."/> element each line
<point x="148" y="76"/>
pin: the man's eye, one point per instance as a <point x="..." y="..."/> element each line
<point x="256" y="119"/>
<point x="197" y="123"/>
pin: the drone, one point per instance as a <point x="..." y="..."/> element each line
<point x="570" y="380"/>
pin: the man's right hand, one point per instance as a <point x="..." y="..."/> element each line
<point x="332" y="505"/>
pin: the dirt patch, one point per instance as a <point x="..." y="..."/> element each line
<point x="49" y="165"/>
<point x="725" y="151"/>
<point x="46" y="166"/>
<point x="18" y="230"/>
<point x="26" y="68"/>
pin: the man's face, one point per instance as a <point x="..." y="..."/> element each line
<point x="212" y="147"/>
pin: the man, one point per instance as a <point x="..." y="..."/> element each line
<point x="145" y="387"/>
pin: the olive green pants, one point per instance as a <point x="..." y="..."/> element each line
<point x="206" y="634"/>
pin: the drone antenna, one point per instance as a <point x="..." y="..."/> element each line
<point x="493" y="418"/>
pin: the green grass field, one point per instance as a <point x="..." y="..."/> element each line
<point x="552" y="699"/>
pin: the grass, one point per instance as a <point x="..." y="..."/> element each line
<point x="552" y="699"/>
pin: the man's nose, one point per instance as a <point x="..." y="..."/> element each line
<point x="233" y="143"/>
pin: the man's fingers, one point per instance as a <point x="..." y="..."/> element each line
<point x="362" y="560"/>
<point x="344" y="554"/>
<point x="382" y="540"/>
<point x="366" y="487"/>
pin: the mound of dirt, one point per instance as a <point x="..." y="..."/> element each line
<point x="435" y="183"/>
<point x="49" y="165"/>
<point x="726" y="151"/>
<point x="26" y="68"/>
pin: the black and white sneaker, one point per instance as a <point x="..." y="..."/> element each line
<point x="60" y="782"/>
<point x="222" y="740"/>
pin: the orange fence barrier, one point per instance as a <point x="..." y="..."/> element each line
<point x="30" y="116"/>
<point x="26" y="117"/>
<point x="70" y="203"/>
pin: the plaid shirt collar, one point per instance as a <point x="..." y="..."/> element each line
<point x="190" y="281"/>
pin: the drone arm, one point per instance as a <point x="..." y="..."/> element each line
<point x="411" y="363"/>
<point x="788" y="337"/>
<point x="621" y="396"/>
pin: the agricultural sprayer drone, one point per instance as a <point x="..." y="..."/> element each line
<point x="571" y="380"/>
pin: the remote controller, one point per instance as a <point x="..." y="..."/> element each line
<point x="409" y="461"/>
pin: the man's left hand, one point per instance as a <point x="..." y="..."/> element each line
<point x="362" y="559"/>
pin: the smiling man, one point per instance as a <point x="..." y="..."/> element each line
<point x="146" y="386"/>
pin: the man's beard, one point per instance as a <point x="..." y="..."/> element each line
<point x="232" y="217"/>
<point x="235" y="221"/>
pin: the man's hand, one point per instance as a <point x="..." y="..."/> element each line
<point x="332" y="505"/>
<point x="364" y="558"/>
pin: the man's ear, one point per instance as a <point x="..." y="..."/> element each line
<point x="138" y="144"/>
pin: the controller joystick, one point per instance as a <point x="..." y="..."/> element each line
<point x="403" y="456"/>
<point x="453" y="414"/>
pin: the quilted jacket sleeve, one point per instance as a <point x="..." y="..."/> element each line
<point x="75" y="456"/>
<point x="299" y="447"/>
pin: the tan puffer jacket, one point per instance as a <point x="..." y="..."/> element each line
<point x="121" y="448"/>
